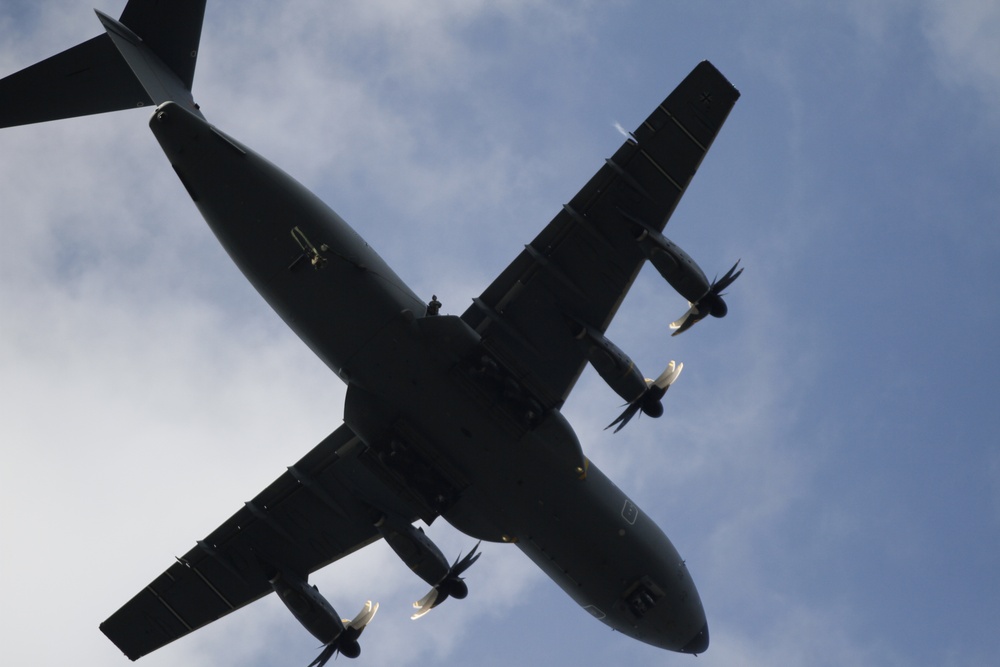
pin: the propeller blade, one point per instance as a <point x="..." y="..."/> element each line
<point x="625" y="417"/>
<point x="710" y="302"/>
<point x="328" y="652"/>
<point x="649" y="402"/>
<point x="452" y="585"/>
<point x="460" y="566"/>
<point x="668" y="376"/>
<point x="679" y="322"/>
<point x="727" y="280"/>
<point x="364" y="617"/>
<point x="425" y="604"/>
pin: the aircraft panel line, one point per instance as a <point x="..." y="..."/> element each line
<point x="662" y="170"/>
<point x="684" y="129"/>
<point x="587" y="225"/>
<point x="628" y="179"/>
<point x="207" y="583"/>
<point x="169" y="608"/>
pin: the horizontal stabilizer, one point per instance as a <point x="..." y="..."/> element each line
<point x="89" y="78"/>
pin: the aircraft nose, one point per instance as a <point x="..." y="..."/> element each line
<point x="699" y="643"/>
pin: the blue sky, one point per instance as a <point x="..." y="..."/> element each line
<point x="828" y="464"/>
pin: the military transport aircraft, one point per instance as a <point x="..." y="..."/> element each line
<point x="445" y="416"/>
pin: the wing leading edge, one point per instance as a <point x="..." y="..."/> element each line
<point x="579" y="268"/>
<point x="317" y="512"/>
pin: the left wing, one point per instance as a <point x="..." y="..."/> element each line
<point x="579" y="268"/>
<point x="317" y="512"/>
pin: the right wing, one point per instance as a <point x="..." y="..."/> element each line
<point x="317" y="512"/>
<point x="579" y="268"/>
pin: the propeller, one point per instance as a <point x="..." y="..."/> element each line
<point x="453" y="585"/>
<point x="649" y="402"/>
<point x="346" y="643"/>
<point x="710" y="303"/>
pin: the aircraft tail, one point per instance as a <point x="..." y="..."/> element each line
<point x="146" y="57"/>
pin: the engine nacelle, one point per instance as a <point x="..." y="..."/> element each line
<point x="320" y="618"/>
<point x="423" y="557"/>
<point x="675" y="265"/>
<point x="415" y="549"/>
<point x="308" y="606"/>
<point x="614" y="366"/>
<point x="684" y="275"/>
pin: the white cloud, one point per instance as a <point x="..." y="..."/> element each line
<point x="963" y="36"/>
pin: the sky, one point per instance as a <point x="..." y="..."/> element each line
<point x="828" y="464"/>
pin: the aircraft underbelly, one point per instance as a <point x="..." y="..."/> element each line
<point x="503" y="474"/>
<point x="316" y="272"/>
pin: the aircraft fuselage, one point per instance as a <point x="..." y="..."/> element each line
<point x="441" y="416"/>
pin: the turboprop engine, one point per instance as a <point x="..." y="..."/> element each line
<point x="425" y="559"/>
<point x="319" y="617"/>
<point x="614" y="366"/>
<point x="650" y="402"/>
<point x="621" y="374"/>
<point x="710" y="303"/>
<point x="685" y="276"/>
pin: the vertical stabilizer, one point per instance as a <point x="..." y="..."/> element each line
<point x="146" y="57"/>
<point x="171" y="29"/>
<point x="160" y="83"/>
